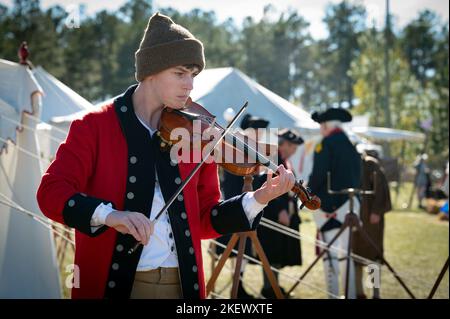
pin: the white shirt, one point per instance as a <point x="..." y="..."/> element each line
<point x="161" y="250"/>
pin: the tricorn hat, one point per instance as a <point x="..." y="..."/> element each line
<point x="333" y="114"/>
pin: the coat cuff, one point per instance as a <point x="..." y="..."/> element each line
<point x="78" y="212"/>
<point x="229" y="217"/>
<point x="251" y="206"/>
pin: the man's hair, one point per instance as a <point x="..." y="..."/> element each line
<point x="333" y="124"/>
<point x="191" y="66"/>
<point x="372" y="153"/>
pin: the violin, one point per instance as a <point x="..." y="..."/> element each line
<point x="192" y="114"/>
<point x="236" y="144"/>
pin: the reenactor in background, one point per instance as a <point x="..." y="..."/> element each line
<point x="337" y="155"/>
<point x="422" y="180"/>
<point x="280" y="249"/>
<point x="373" y="208"/>
<point x="232" y="185"/>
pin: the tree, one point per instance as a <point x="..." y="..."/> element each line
<point x="271" y="50"/>
<point x="410" y="102"/>
<point x="345" y="21"/>
<point x="369" y="77"/>
<point x="97" y="59"/>
<point x="83" y="71"/>
<point x="439" y="83"/>
<point x="313" y="76"/>
<point x="219" y="39"/>
<point x="418" y="42"/>
<point x="27" y="22"/>
<point x="424" y="42"/>
<point x="134" y="17"/>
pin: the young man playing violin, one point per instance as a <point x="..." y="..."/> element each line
<point x="110" y="178"/>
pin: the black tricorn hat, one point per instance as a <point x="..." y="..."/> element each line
<point x="333" y="114"/>
<point x="249" y="121"/>
<point x="290" y="136"/>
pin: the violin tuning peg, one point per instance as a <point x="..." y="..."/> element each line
<point x="301" y="206"/>
<point x="158" y="133"/>
<point x="163" y="144"/>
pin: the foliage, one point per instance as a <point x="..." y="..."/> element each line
<point x="344" y="69"/>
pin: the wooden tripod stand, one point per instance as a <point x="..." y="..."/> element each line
<point x="438" y="280"/>
<point x="242" y="237"/>
<point x="351" y="221"/>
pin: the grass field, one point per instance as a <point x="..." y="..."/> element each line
<point x="416" y="246"/>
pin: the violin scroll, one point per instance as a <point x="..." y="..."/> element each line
<point x="311" y="202"/>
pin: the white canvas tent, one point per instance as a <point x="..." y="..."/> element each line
<point x="221" y="88"/>
<point x="388" y="134"/>
<point x="58" y="99"/>
<point x="28" y="265"/>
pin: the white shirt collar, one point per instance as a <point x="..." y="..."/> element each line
<point x="146" y="126"/>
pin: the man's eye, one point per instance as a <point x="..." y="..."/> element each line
<point x="179" y="73"/>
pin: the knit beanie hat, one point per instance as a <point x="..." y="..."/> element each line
<point x="166" y="44"/>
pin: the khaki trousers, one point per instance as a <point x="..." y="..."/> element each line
<point x="160" y="283"/>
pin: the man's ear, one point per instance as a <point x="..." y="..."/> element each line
<point x="150" y="78"/>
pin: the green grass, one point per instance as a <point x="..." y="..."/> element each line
<point x="416" y="246"/>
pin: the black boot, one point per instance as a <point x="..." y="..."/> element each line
<point x="286" y="295"/>
<point x="268" y="293"/>
<point x="241" y="293"/>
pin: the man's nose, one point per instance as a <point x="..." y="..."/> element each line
<point x="189" y="83"/>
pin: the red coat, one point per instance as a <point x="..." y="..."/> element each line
<point x="93" y="161"/>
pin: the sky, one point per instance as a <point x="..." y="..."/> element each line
<point x="312" y="10"/>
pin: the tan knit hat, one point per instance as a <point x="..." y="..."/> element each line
<point x="166" y="44"/>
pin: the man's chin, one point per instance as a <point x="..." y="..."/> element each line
<point x="176" y="106"/>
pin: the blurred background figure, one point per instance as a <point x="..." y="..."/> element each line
<point x="443" y="215"/>
<point x="373" y="208"/>
<point x="280" y="249"/>
<point x="423" y="180"/>
<point x="335" y="154"/>
<point x="232" y="185"/>
<point x="445" y="183"/>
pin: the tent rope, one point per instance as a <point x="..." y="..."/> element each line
<point x="279" y="271"/>
<point x="34" y="130"/>
<point x="42" y="222"/>
<point x="42" y="122"/>
<point x="28" y="152"/>
<point x="45" y="220"/>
